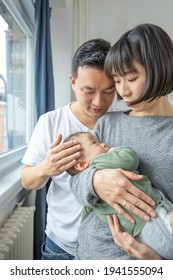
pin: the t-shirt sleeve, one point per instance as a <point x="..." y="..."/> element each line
<point x="38" y="144"/>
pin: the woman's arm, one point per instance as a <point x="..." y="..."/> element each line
<point x="129" y="244"/>
<point x="81" y="185"/>
<point x="114" y="187"/>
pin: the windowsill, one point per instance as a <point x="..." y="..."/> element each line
<point x="10" y="184"/>
<point x="12" y="194"/>
<point x="10" y="188"/>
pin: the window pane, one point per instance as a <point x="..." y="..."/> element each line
<point x="12" y="82"/>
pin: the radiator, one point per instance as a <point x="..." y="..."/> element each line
<point x="16" y="235"/>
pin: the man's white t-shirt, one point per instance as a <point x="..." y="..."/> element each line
<point x="64" y="212"/>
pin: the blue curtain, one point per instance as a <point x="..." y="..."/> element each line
<point x="44" y="100"/>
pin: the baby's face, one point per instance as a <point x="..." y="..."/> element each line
<point x="91" y="147"/>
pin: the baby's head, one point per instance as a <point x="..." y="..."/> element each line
<point x="90" y="147"/>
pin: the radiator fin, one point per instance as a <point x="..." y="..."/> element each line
<point x="16" y="235"/>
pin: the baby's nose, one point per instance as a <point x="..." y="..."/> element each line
<point x="104" y="146"/>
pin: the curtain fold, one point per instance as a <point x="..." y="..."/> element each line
<point x="44" y="101"/>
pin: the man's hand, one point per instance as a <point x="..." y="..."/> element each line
<point x="60" y="157"/>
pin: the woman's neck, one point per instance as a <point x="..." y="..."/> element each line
<point x="157" y="107"/>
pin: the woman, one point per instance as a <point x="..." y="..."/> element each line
<point x="141" y="63"/>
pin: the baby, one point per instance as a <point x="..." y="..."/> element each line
<point x="157" y="233"/>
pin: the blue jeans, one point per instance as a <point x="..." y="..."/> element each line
<point x="50" y="251"/>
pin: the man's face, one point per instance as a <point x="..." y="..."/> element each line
<point x="94" y="91"/>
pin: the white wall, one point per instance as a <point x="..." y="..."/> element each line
<point x="61" y="30"/>
<point x="109" y="19"/>
<point x="106" y="19"/>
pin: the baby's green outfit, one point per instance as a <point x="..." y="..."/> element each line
<point x="127" y="159"/>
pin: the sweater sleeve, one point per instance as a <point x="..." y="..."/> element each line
<point x="81" y="185"/>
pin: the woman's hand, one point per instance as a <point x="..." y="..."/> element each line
<point x="60" y="157"/>
<point x="129" y="244"/>
<point x="114" y="187"/>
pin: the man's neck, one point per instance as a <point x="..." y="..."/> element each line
<point x="82" y="116"/>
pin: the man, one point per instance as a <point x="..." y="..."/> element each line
<point x="46" y="158"/>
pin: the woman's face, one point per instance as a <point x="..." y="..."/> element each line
<point x="131" y="85"/>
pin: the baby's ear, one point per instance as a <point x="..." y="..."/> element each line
<point x="81" y="165"/>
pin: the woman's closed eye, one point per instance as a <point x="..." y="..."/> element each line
<point x="132" y="79"/>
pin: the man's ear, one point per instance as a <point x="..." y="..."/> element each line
<point x="72" y="81"/>
<point x="81" y="165"/>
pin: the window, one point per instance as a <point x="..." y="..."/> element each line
<point x="16" y="82"/>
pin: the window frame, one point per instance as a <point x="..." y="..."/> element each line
<point x="12" y="159"/>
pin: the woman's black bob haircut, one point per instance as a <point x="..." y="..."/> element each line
<point x="150" y="46"/>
